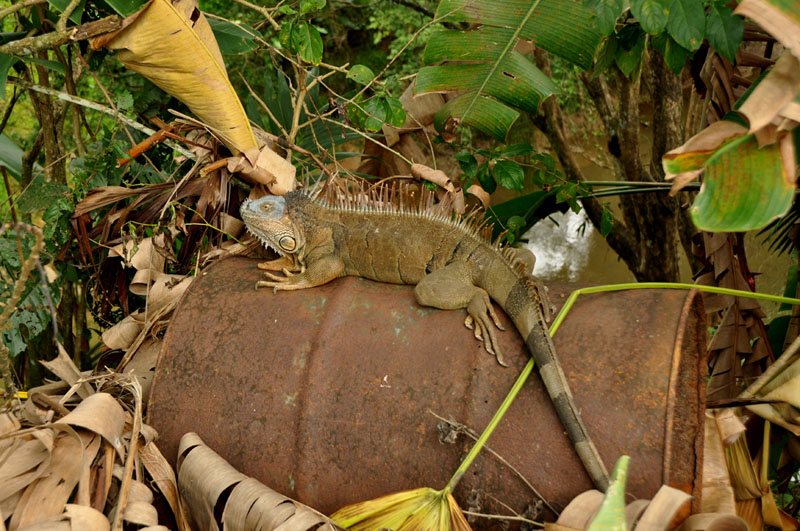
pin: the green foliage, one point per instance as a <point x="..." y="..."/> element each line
<point x="677" y="27"/>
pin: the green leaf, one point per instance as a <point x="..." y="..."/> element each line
<point x="76" y="14"/>
<point x="126" y="7"/>
<point x="360" y="74"/>
<point x="307" y="42"/>
<point x="376" y="114"/>
<point x="6" y="62"/>
<point x="509" y="174"/>
<point x="485" y="178"/>
<point x="40" y="195"/>
<point x="606" y="222"/>
<point x="286" y="9"/>
<point x="285" y="36"/>
<point x="468" y="163"/>
<point x="125" y="100"/>
<point x="724" y="31"/>
<point x="490" y="70"/>
<point x="306" y="6"/>
<point x="745" y="187"/>
<point x="606" y="14"/>
<point x="628" y="59"/>
<point x="611" y="516"/>
<point x="487" y="115"/>
<point x="606" y="56"/>
<point x="562" y="27"/>
<point x="687" y="23"/>
<point x="651" y="14"/>
<point x="52" y="65"/>
<point x="517" y="150"/>
<point x="232" y="38"/>
<point x="395" y="113"/>
<point x="10" y="156"/>
<point x="514" y="80"/>
<point x="253" y="110"/>
<point x="675" y="55"/>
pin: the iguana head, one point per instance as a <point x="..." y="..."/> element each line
<point x="268" y="220"/>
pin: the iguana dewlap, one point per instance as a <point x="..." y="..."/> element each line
<point x="450" y="262"/>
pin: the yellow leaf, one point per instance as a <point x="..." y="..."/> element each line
<point x="173" y="46"/>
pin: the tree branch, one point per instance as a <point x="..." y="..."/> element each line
<point x="30" y="45"/>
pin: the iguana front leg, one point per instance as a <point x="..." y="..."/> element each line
<point x="284" y="263"/>
<point x="450" y="288"/>
<point x="316" y="273"/>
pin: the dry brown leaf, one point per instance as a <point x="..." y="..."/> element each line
<point x="713" y="522"/>
<point x="778" y="88"/>
<point x="482" y="195"/>
<point x="438" y="177"/>
<point x="164" y="478"/>
<point x="581" y="510"/>
<point x="86" y="518"/>
<point x="262" y="165"/>
<point x="717" y="493"/>
<point x="203" y="476"/>
<point x="47" y="496"/>
<point x="63" y="367"/>
<point x="774" y="20"/>
<point x="102" y="414"/>
<point x="665" y="506"/>
<point x="8" y="423"/>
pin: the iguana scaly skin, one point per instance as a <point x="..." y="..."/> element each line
<point x="449" y="261"/>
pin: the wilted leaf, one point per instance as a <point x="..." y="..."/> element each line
<point x="780" y="18"/>
<point x="776" y="90"/>
<point x="173" y="46"/>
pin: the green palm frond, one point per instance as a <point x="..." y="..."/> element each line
<point x="494" y="80"/>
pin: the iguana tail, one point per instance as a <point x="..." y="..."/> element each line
<point x="516" y="291"/>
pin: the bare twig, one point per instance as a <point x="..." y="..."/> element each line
<point x="97" y="107"/>
<point x="471" y="434"/>
<point x="61" y="25"/>
<point x="19" y="5"/>
<point x="261" y="10"/>
<point x="29" y="45"/>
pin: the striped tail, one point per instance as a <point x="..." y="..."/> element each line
<point x="544" y="354"/>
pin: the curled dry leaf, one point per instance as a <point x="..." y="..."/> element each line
<point x="101" y="414"/>
<point x="778" y="18"/>
<point x="438" y="177"/>
<point x="482" y="195"/>
<point x="264" y="166"/>
<point x="717" y="493"/>
<point x="203" y="476"/>
<point x="777" y="90"/>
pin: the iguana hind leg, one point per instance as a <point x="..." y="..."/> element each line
<point x="450" y="288"/>
<point x="316" y="273"/>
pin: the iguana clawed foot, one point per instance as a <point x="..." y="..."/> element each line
<point x="482" y="318"/>
<point x="316" y="273"/>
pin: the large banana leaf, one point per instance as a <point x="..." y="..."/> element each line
<point x="493" y="78"/>
<point x="172" y="45"/>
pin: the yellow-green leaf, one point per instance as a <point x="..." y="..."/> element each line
<point x="745" y="187"/>
<point x="173" y="46"/>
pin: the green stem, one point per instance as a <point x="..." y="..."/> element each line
<point x="515" y="389"/>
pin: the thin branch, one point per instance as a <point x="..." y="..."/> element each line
<point x="263" y="11"/>
<point x="97" y="107"/>
<point x="29" y="45"/>
<point x="19" y="5"/>
<point x="61" y="25"/>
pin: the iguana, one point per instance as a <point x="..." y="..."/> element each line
<point x="450" y="260"/>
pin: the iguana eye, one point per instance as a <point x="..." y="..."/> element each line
<point x="287" y="243"/>
<point x="266" y="207"/>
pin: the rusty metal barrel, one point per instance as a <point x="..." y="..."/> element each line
<point x="331" y="395"/>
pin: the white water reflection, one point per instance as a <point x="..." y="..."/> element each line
<point x="568" y="248"/>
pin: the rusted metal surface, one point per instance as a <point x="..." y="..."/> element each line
<point x="324" y="394"/>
